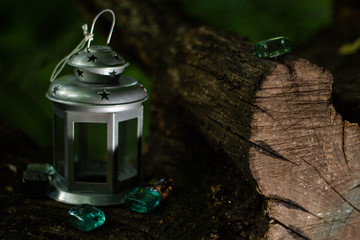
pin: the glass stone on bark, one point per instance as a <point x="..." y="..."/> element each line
<point x="142" y="199"/>
<point x="41" y="167"/>
<point x="272" y="47"/>
<point x="85" y="217"/>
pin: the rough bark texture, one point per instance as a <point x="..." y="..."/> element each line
<point x="303" y="157"/>
<point x="308" y="165"/>
<point x="270" y="121"/>
<point x="344" y="68"/>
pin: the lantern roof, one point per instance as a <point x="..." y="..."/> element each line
<point x="68" y="90"/>
<point x="97" y="56"/>
<point x="97" y="78"/>
<point x="98" y="60"/>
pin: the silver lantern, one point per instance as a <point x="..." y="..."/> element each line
<point x="97" y="127"/>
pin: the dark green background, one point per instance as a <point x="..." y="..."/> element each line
<point x="35" y="35"/>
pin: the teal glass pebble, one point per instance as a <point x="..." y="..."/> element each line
<point x="272" y="47"/>
<point x="86" y="217"/>
<point x="41" y="167"/>
<point x="142" y="199"/>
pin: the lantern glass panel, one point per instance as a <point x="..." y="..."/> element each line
<point x="128" y="149"/>
<point x="90" y="152"/>
<point x="59" y="143"/>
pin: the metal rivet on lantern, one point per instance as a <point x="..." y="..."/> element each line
<point x="97" y="126"/>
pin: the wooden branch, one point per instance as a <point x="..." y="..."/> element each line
<point x="272" y="118"/>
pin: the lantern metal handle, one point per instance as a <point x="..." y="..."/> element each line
<point x="93" y="24"/>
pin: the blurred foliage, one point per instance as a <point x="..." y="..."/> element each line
<point x="37" y="34"/>
<point x="262" y="19"/>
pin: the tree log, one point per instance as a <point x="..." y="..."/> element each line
<point x="272" y="118"/>
<point x="307" y="163"/>
<point x="270" y="122"/>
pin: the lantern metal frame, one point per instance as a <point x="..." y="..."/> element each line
<point x="66" y="189"/>
<point x="76" y="101"/>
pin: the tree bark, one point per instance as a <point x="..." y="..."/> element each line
<point x="273" y="119"/>
<point x="307" y="163"/>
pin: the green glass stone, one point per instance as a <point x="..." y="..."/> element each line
<point x="142" y="200"/>
<point x="272" y="47"/>
<point x="41" y="167"/>
<point x="85" y="217"/>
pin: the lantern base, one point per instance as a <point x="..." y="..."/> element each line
<point x="58" y="193"/>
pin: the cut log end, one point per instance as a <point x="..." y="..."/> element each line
<point x="305" y="159"/>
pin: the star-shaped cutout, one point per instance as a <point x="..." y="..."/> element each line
<point x="92" y="58"/>
<point x="79" y="72"/>
<point x="104" y="95"/>
<point x="55" y="89"/>
<point x="112" y="74"/>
